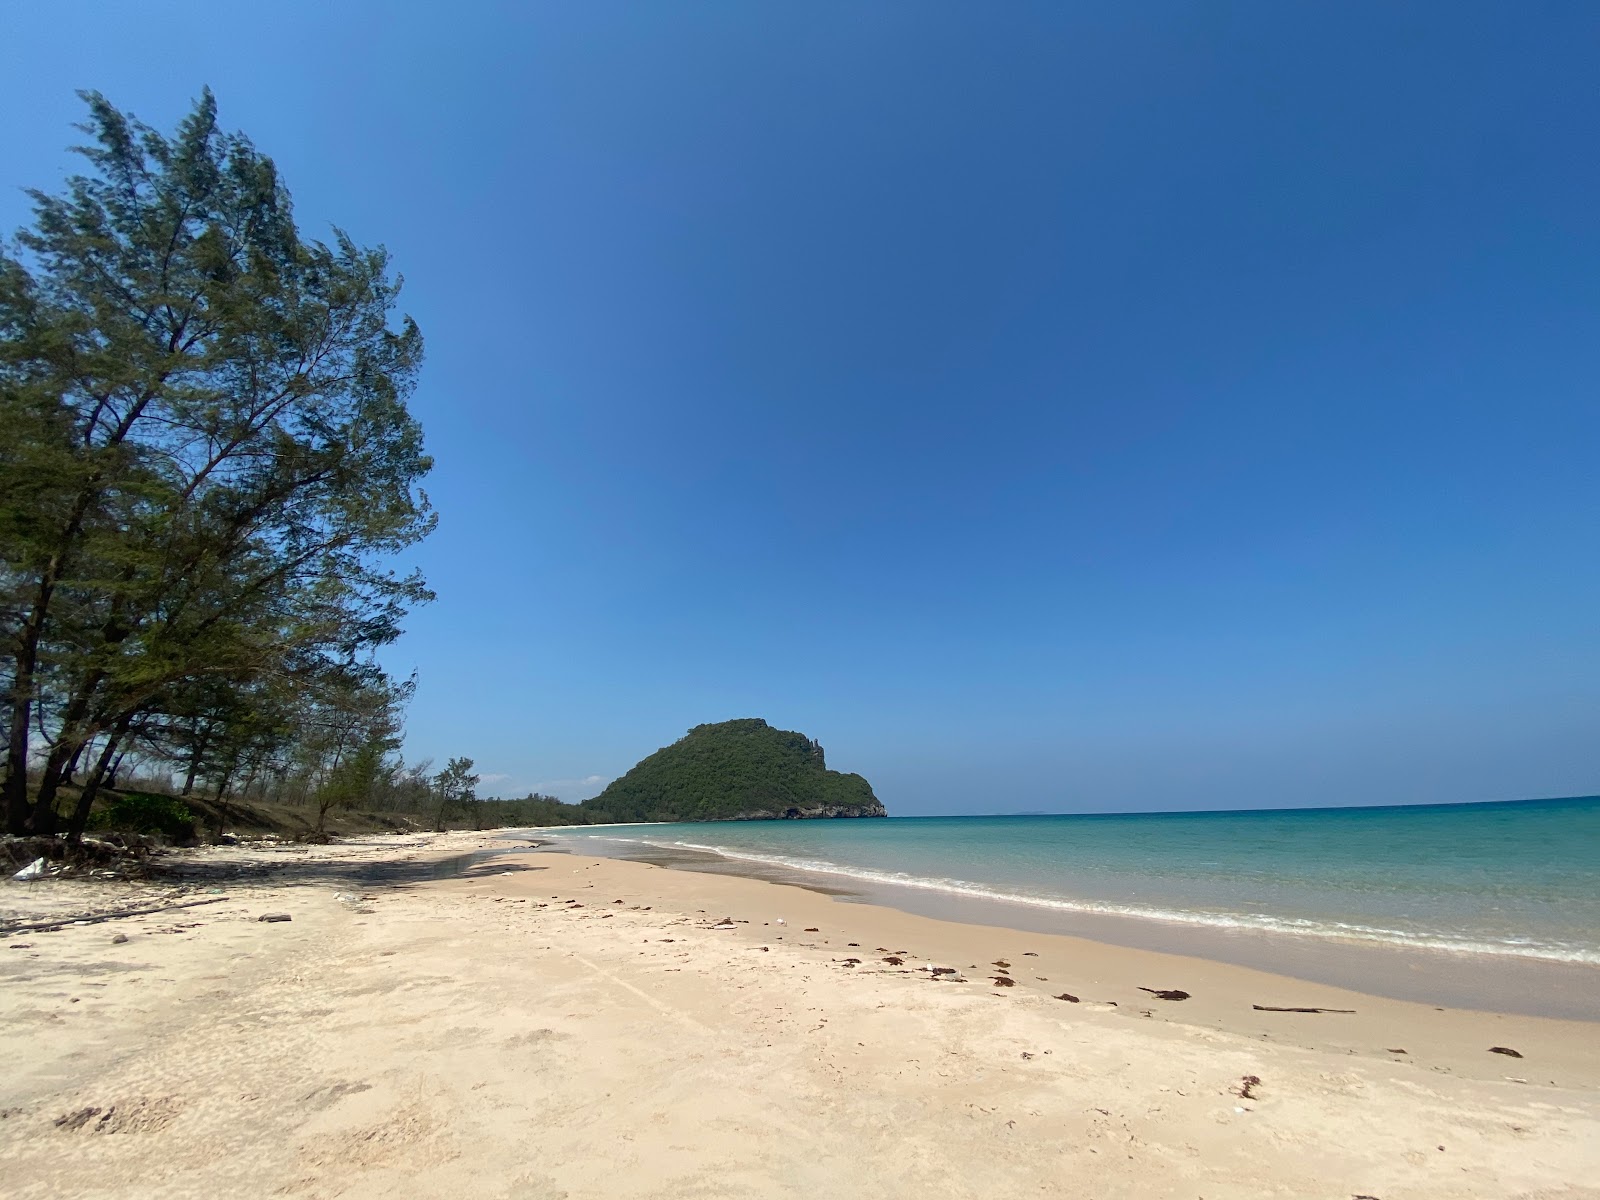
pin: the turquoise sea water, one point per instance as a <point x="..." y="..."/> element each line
<point x="1520" y="879"/>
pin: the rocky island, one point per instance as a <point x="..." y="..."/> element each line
<point x="741" y="770"/>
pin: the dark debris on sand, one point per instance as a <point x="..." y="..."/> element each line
<point x="1275" y="1008"/>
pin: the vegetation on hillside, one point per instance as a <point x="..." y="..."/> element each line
<point x="734" y="770"/>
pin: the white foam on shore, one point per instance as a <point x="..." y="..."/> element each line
<point x="1258" y="922"/>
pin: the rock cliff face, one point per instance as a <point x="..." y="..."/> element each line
<point x="742" y="770"/>
<point x="874" y="809"/>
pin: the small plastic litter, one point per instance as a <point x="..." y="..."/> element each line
<point x="34" y="870"/>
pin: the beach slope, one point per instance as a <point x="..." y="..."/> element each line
<point x="548" y="1025"/>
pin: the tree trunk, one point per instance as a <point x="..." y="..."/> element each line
<point x="91" y="787"/>
<point x="222" y="804"/>
<point x="74" y="731"/>
<point x="45" y="820"/>
<point x="18" y="818"/>
<point x="72" y="763"/>
<point x="195" y="757"/>
<point x="15" y="787"/>
<point x="116" y="768"/>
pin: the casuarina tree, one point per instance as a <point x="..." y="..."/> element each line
<point x="208" y="462"/>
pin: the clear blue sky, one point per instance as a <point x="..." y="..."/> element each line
<point x="1055" y="407"/>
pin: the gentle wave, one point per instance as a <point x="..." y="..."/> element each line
<point x="1261" y="922"/>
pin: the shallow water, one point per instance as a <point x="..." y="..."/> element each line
<point x="1519" y="879"/>
<point x="1487" y="905"/>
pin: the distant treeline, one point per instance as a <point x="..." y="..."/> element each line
<point x="534" y="809"/>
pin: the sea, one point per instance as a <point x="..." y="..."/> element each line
<point x="1512" y="881"/>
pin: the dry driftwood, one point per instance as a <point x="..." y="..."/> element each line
<point x="1275" y="1008"/>
<point x="63" y="922"/>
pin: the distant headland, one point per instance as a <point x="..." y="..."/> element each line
<point x="740" y="770"/>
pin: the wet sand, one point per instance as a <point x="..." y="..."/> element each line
<point x="1490" y="983"/>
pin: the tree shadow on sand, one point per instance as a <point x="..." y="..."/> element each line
<point x="297" y="869"/>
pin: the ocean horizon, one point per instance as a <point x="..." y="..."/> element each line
<point x="1518" y="879"/>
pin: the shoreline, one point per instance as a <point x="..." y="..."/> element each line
<point x="1116" y="979"/>
<point x="464" y="1015"/>
<point x="1465" y="979"/>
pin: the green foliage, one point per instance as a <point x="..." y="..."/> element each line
<point x="351" y="780"/>
<point x="146" y="812"/>
<point x="207" y="457"/>
<point x="548" y="811"/>
<point x="532" y="809"/>
<point x="350" y="725"/>
<point x="457" y="787"/>
<point x="733" y="770"/>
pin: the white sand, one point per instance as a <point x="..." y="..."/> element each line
<point x="457" y="1039"/>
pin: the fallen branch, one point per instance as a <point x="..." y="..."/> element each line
<point x="1274" y="1008"/>
<point x="62" y="923"/>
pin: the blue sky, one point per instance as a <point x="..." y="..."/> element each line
<point x="1048" y="407"/>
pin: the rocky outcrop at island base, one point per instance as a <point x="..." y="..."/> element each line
<point x="742" y="770"/>
<point x="816" y="812"/>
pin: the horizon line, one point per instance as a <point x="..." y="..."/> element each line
<point x="1192" y="812"/>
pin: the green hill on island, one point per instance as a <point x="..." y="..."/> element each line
<point x="742" y="770"/>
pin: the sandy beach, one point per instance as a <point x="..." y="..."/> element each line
<point x="551" y="1025"/>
